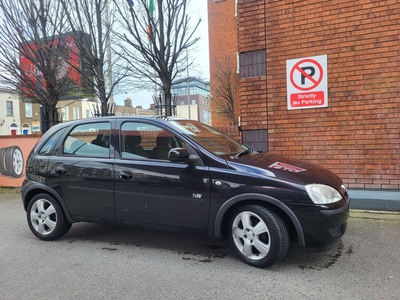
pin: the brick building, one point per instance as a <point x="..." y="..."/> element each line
<point x="128" y="110"/>
<point x="357" y="135"/>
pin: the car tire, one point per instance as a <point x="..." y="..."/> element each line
<point x="46" y="218"/>
<point x="258" y="235"/>
<point x="14" y="161"/>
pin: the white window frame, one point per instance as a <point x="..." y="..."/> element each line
<point x="28" y="110"/>
<point x="75" y="113"/>
<point x="65" y="113"/>
<point x="9" y="109"/>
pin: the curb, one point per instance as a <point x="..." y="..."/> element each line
<point x="376" y="215"/>
<point x="375" y="200"/>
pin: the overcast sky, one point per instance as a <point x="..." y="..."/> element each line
<point x="197" y="9"/>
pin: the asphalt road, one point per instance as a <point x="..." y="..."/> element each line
<point x="109" y="262"/>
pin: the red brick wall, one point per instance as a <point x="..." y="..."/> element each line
<point x="222" y="41"/>
<point x="231" y="131"/>
<point x="357" y="135"/>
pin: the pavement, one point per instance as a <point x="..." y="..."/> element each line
<point x="98" y="261"/>
<point x="375" y="200"/>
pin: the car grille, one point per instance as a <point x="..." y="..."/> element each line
<point x="338" y="231"/>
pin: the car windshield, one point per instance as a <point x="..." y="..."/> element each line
<point x="210" y="138"/>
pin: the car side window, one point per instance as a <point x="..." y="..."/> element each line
<point x="146" y="141"/>
<point x="91" y="139"/>
<point x="48" y="147"/>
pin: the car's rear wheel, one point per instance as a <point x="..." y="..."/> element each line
<point x="46" y="218"/>
<point x="258" y="235"/>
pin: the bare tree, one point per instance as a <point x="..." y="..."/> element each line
<point x="32" y="54"/>
<point x="93" y="20"/>
<point x="225" y="88"/>
<point x="154" y="40"/>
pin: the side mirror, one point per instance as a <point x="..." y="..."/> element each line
<point x="181" y="155"/>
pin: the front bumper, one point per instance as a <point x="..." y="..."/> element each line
<point x="322" y="227"/>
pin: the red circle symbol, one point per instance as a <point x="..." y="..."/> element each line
<point x="314" y="82"/>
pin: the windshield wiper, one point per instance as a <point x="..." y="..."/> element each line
<point x="248" y="151"/>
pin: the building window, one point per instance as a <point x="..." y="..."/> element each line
<point x="65" y="115"/>
<point x="118" y="113"/>
<point x="75" y="112"/>
<point x="28" y="110"/>
<point x="182" y="102"/>
<point x="253" y="64"/>
<point x="10" y="108"/>
<point x="87" y="113"/>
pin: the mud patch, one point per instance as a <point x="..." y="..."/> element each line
<point x="202" y="256"/>
<point x="109" y="249"/>
<point x="332" y="258"/>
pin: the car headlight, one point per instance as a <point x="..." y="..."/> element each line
<point x="323" y="194"/>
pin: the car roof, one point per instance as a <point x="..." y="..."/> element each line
<point x="108" y="118"/>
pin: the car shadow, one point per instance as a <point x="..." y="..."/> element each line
<point x="191" y="246"/>
<point x="199" y="247"/>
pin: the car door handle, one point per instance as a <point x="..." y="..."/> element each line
<point x="60" y="170"/>
<point x="125" y="175"/>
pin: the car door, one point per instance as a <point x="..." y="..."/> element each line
<point x="84" y="172"/>
<point x="151" y="189"/>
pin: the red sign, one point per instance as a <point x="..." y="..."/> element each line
<point x="307" y="82"/>
<point x="304" y="75"/>
<point x="307" y="99"/>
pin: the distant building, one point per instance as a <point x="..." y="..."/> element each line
<point x="77" y="109"/>
<point x="128" y="110"/>
<point x="23" y="117"/>
<point x="30" y="117"/>
<point x="10" y="122"/>
<point x="68" y="110"/>
<point x="195" y="92"/>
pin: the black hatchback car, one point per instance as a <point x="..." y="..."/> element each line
<point x="169" y="172"/>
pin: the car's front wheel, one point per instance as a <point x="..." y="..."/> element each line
<point x="46" y="218"/>
<point x="258" y="235"/>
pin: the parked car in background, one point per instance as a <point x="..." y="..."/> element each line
<point x="176" y="173"/>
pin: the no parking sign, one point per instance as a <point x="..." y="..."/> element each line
<point x="307" y="82"/>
